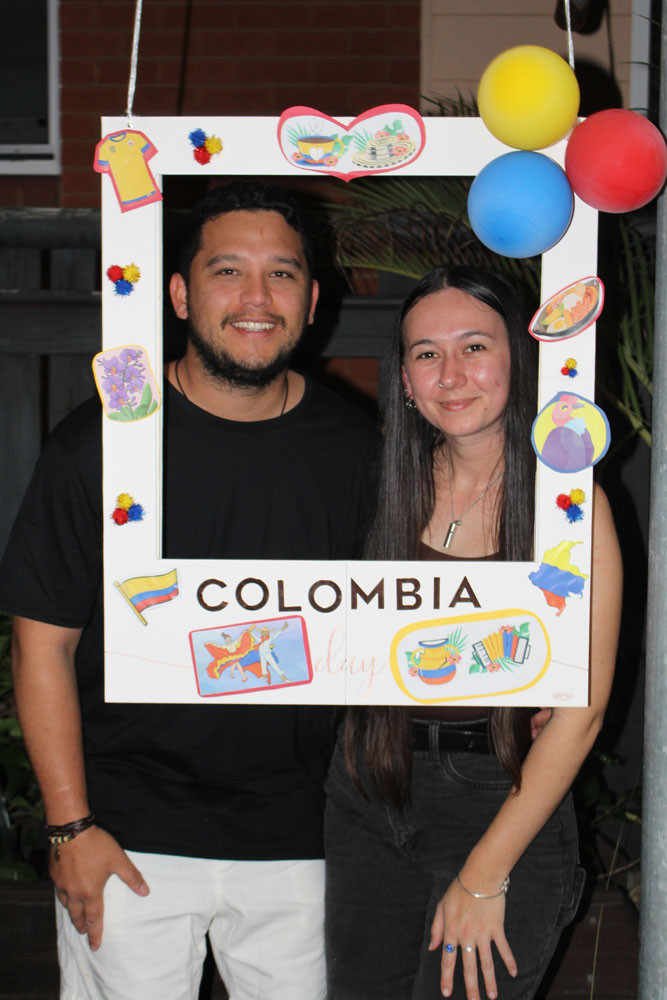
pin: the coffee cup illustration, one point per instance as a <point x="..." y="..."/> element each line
<point x="316" y="147"/>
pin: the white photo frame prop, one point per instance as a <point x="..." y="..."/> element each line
<point x="338" y="632"/>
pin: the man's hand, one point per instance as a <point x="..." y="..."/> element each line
<point x="539" y="721"/>
<point x="85" y="864"/>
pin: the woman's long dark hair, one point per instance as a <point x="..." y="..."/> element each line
<point x="405" y="505"/>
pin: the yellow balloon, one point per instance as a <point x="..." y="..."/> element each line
<point x="528" y="97"/>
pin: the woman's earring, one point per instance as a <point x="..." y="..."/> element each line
<point x="410" y="403"/>
<point x="441" y="385"/>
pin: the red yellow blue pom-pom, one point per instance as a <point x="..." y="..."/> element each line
<point x="570" y="503"/>
<point x="202" y="155"/>
<point x="123" y="278"/>
<point x="127" y="509"/>
<point x="197" y="137"/>
<point x="205" y="146"/>
<point x="135" y="512"/>
<point x="574" y="513"/>
<point x="213" y="145"/>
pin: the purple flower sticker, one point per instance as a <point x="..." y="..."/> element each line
<point x="126" y="384"/>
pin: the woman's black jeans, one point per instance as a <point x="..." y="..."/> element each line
<point x="387" y="869"/>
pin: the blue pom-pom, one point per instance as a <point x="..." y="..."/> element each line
<point x="135" y="512"/>
<point x="123" y="287"/>
<point x="198" y="137"/>
<point x="574" y="513"/>
<point x="572" y="373"/>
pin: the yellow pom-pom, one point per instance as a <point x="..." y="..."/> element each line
<point x="577" y="496"/>
<point x="124" y="500"/>
<point x="571" y="363"/>
<point x="131" y="273"/>
<point x="213" y="145"/>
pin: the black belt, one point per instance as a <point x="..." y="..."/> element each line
<point x="465" y="737"/>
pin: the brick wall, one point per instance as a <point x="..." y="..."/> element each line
<point x="227" y="57"/>
<point x="223" y="57"/>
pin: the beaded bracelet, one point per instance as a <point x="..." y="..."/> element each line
<point x="483" y="895"/>
<point x="58" y="835"/>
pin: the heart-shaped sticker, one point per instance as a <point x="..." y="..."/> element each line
<point x="378" y="141"/>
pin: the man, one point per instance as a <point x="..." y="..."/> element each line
<point x="205" y="821"/>
<point x="267" y="659"/>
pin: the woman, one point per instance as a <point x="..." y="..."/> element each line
<point x="424" y="825"/>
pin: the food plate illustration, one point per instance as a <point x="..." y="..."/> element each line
<point x="569" y="311"/>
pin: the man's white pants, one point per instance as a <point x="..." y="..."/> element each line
<point x="264" y="920"/>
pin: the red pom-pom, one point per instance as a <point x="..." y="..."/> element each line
<point x="201" y="154"/>
<point x="565" y="370"/>
<point x="120" y="516"/>
<point x="563" y="501"/>
<point x="114" y="273"/>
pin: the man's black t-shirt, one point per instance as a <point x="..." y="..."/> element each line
<point x="210" y="781"/>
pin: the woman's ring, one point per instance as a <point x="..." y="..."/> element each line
<point x="468" y="947"/>
<point x="450" y="948"/>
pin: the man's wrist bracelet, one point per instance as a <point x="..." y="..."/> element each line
<point x="58" y="835"/>
<point x="484" y="895"/>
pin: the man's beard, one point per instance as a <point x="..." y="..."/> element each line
<point x="223" y="367"/>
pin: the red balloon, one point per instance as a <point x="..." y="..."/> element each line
<point x="616" y="160"/>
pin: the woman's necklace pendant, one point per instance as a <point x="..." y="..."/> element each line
<point x="450" y="533"/>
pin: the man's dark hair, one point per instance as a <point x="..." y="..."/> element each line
<point x="241" y="196"/>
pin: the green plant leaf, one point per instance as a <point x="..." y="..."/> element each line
<point x="146" y="396"/>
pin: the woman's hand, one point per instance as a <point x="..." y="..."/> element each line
<point x="471" y="924"/>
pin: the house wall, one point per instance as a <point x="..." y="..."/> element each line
<point x="235" y="57"/>
<point x="248" y="58"/>
<point x="227" y="57"/>
<point x="460" y="38"/>
<point x="222" y="57"/>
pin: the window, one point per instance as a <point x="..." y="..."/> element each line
<point x="29" y="113"/>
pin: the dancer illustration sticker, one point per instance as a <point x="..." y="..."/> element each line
<point x="379" y="140"/>
<point x="570" y="433"/>
<point x="558" y="578"/>
<point x="124" y="156"/>
<point x="236" y="659"/>
<point x="470" y="656"/>
<point x="126" y="383"/>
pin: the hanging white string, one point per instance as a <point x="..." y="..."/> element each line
<point x="133" y="62"/>
<point x="570" y="43"/>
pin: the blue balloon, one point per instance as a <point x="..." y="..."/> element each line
<point x="520" y="204"/>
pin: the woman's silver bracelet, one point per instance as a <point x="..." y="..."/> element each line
<point x="483" y="895"/>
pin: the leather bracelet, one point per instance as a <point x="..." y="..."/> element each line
<point x="58" y="835"/>
<point x="483" y="895"/>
